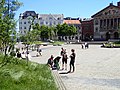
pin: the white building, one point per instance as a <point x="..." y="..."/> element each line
<point x="25" y="20"/>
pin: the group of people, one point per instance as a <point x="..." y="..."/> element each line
<point x="23" y="54"/>
<point x="39" y="51"/>
<point x="85" y="45"/>
<point x="54" y="63"/>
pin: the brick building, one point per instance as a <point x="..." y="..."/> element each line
<point x="87" y="29"/>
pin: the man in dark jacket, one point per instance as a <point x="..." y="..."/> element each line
<point x="72" y="61"/>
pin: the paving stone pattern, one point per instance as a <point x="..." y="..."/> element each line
<point x="96" y="68"/>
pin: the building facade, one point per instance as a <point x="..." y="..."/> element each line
<point x="25" y="21"/>
<point x="87" y="29"/>
<point x="107" y="23"/>
<point x="76" y="23"/>
<point x="51" y="19"/>
<point x="29" y="17"/>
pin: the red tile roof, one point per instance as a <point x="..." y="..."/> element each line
<point x="71" y="21"/>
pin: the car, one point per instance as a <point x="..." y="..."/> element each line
<point x="51" y="41"/>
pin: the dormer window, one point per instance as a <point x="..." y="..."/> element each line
<point x="59" y="18"/>
<point x="50" y="18"/>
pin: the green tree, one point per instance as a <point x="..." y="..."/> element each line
<point x="71" y="30"/>
<point x="59" y="30"/>
<point x="51" y="32"/>
<point x="8" y="23"/>
<point x="44" y="32"/>
<point x="36" y="32"/>
<point x="65" y="30"/>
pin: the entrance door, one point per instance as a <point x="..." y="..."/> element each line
<point x="116" y="35"/>
<point x="87" y="37"/>
<point x="107" y="35"/>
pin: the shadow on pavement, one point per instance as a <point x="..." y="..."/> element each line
<point x="63" y="73"/>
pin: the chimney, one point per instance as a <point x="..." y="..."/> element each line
<point x="118" y="4"/>
<point x="111" y="4"/>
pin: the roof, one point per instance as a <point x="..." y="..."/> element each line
<point x="111" y="5"/>
<point x="71" y="21"/>
<point x="55" y="16"/>
<point x="33" y="12"/>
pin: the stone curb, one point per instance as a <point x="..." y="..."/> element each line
<point x="58" y="80"/>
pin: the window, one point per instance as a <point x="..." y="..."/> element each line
<point x="41" y="23"/>
<point x="24" y="22"/>
<point x="20" y="22"/>
<point x="46" y="23"/>
<point x="50" y="18"/>
<point x="20" y="27"/>
<point x="28" y="14"/>
<point x="96" y="29"/>
<point x="50" y="23"/>
<point x="24" y="27"/>
<point x="96" y="22"/>
<point x="58" y="18"/>
<point x="28" y="21"/>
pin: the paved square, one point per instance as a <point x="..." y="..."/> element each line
<point x="96" y="68"/>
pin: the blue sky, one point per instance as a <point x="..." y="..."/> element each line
<point x="70" y="8"/>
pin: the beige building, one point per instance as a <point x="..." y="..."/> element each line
<point x="42" y="19"/>
<point x="77" y="24"/>
<point x="107" y="23"/>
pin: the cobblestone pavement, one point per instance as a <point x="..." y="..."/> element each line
<point x="96" y="68"/>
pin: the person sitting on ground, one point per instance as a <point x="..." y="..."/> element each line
<point x="18" y="54"/>
<point x="23" y="56"/>
<point x="50" y="62"/>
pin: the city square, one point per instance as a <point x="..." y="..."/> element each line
<point x="96" y="68"/>
<point x="41" y="40"/>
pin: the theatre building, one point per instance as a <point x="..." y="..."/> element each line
<point x="107" y="23"/>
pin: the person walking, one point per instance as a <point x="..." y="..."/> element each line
<point x="72" y="61"/>
<point x="82" y="45"/>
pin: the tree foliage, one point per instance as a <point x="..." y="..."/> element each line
<point x="8" y="23"/>
<point x="66" y="30"/>
<point x="46" y="32"/>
